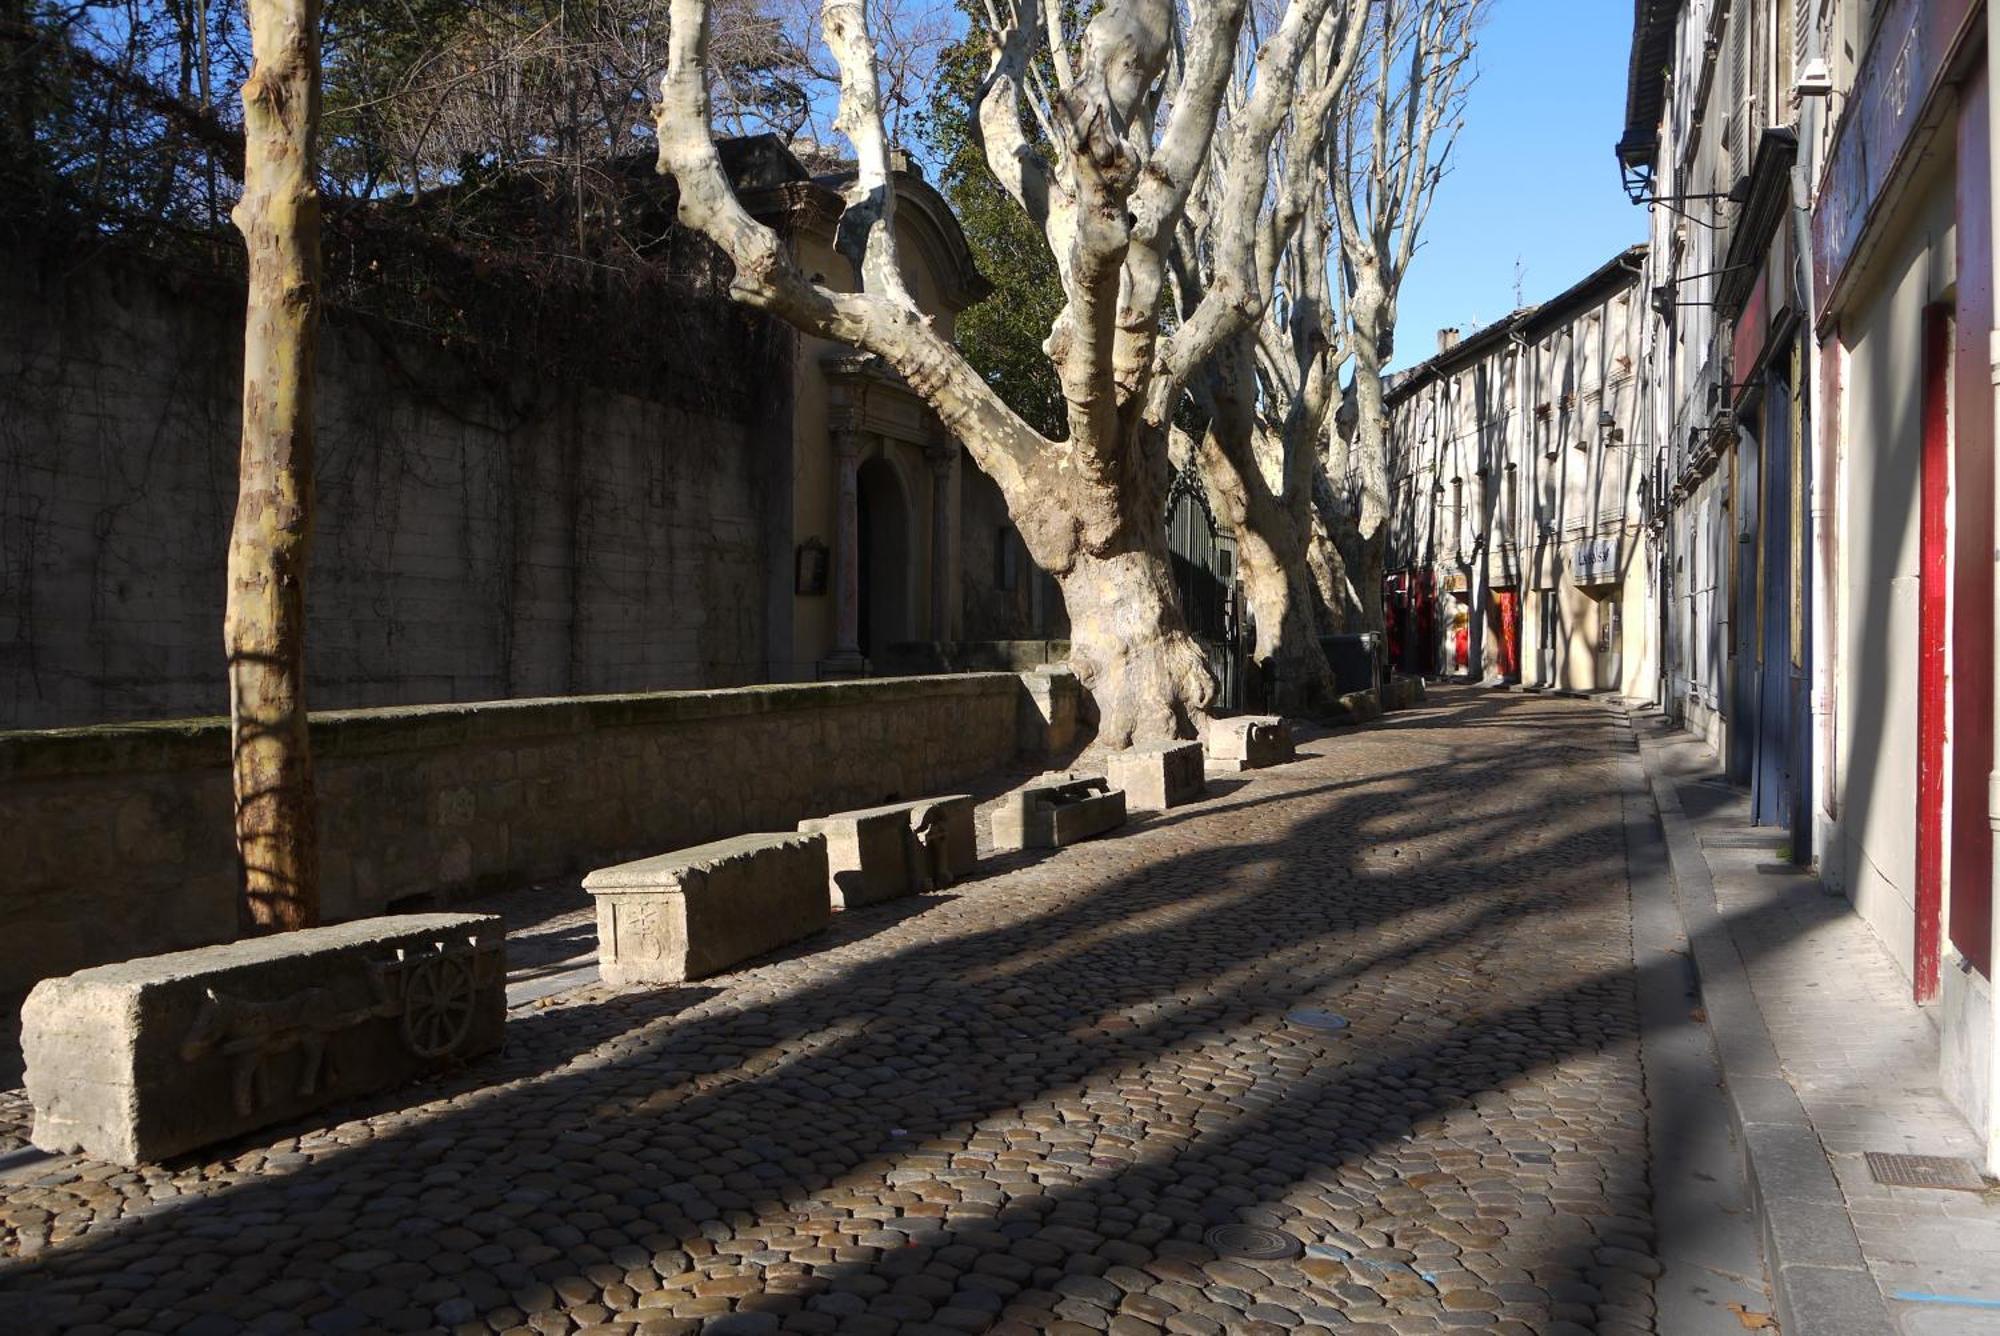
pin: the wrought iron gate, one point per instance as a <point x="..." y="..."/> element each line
<point x="1204" y="563"/>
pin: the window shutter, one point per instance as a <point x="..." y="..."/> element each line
<point x="1787" y="44"/>
<point x="1737" y="45"/>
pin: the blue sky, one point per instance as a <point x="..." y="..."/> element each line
<point x="1532" y="177"/>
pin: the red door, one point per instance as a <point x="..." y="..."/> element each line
<point x="1427" y="646"/>
<point x="1510" y="632"/>
<point x="1933" y="604"/>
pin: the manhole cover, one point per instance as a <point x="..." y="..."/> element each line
<point x="1925" y="1171"/>
<point x="1312" y="1018"/>
<point x="1254" y="1243"/>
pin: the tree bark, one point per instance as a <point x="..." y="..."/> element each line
<point x="264" y="616"/>
<point x="1149" y="680"/>
<point x="1278" y="584"/>
<point x="1334" y="601"/>
<point x="1270" y="547"/>
<point x="1373" y="319"/>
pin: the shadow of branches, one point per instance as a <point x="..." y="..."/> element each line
<point x="1025" y="1105"/>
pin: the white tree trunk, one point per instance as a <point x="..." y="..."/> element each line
<point x="1149" y="680"/>
<point x="1270" y="543"/>
<point x="1371" y="316"/>
<point x="1131" y="124"/>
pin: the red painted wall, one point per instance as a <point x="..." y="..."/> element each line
<point x="1933" y="604"/>
<point x="1971" y="913"/>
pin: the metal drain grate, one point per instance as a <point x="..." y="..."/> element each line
<point x="1253" y="1243"/>
<point x="1925" y="1171"/>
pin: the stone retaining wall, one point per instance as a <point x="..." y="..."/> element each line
<point x="115" y="840"/>
<point x="482" y="527"/>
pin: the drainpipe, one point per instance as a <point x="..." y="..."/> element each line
<point x="1992" y="1128"/>
<point x="1665" y="386"/>
<point x="1521" y="520"/>
<point x="1820" y="551"/>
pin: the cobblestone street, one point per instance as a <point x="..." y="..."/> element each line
<point x="1020" y="1105"/>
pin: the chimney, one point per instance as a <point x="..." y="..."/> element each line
<point x="1447" y="339"/>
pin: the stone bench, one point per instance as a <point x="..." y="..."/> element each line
<point x="1158" y="777"/>
<point x="695" y="912"/>
<point x="1249" y="742"/>
<point x="882" y="853"/>
<point x="150" y="1058"/>
<point x="1056" y="812"/>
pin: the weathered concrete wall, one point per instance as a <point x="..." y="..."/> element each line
<point x="1877" y="626"/>
<point x="483" y="530"/>
<point x="117" y="837"/>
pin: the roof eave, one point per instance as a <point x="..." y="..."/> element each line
<point x="1645" y="80"/>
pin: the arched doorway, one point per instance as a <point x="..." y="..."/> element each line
<point x="885" y="569"/>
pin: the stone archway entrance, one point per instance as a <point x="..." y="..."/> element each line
<point x="885" y="606"/>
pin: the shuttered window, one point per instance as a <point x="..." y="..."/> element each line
<point x="1789" y="44"/>
<point x="1740" y="130"/>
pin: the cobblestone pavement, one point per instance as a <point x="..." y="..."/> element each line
<point x="1020" y="1105"/>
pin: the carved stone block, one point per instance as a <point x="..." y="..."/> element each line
<point x="880" y="853"/>
<point x="1249" y="742"/>
<point x="1158" y="777"/>
<point x="153" y="1057"/>
<point x="696" y="912"/>
<point x="1057" y="811"/>
<point x="867" y="855"/>
<point x="947" y="846"/>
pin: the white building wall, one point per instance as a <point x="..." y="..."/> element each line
<point x="1877" y="642"/>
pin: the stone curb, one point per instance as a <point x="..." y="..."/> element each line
<point x="1819" y="1279"/>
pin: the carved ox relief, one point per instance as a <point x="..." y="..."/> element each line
<point x="251" y="1033"/>
<point x="432" y="991"/>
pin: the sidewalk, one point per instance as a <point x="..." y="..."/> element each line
<point x="1826" y="1059"/>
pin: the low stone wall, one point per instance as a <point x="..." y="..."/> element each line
<point x="115" y="841"/>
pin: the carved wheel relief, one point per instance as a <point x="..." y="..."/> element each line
<point x="439" y="993"/>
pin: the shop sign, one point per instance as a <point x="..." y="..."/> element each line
<point x="1594" y="561"/>
<point x="1912" y="42"/>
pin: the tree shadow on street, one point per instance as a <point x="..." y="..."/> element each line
<point x="1069" y="1073"/>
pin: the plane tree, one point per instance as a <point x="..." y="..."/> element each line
<point x="1100" y="134"/>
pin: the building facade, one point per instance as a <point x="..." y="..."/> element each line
<point x="1819" y="379"/>
<point x="1517" y="551"/>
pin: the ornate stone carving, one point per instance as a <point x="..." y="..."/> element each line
<point x="433" y="991"/>
<point x="930" y="849"/>
<point x="251" y="1033"/>
<point x="146" y="1059"/>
